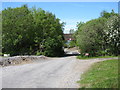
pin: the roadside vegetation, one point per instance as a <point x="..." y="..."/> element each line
<point x="101" y="75"/>
<point x="99" y="37"/>
<point x="86" y="57"/>
<point x="31" y="31"/>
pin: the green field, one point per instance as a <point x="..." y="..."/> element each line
<point x="101" y="75"/>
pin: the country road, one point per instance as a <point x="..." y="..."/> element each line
<point x="52" y="73"/>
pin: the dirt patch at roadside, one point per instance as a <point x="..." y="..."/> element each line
<point x="20" y="60"/>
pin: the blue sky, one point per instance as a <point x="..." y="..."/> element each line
<point x="70" y="12"/>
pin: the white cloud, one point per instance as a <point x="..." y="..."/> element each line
<point x="68" y="27"/>
<point x="71" y="23"/>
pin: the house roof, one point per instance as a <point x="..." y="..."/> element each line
<point x="68" y="37"/>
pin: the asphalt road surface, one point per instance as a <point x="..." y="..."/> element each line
<point x="51" y="73"/>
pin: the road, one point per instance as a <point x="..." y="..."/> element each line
<point x="52" y="73"/>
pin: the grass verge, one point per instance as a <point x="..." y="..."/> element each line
<point x="101" y="75"/>
<point x="81" y="57"/>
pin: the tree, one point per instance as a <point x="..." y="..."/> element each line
<point x="17" y="26"/>
<point x="112" y="35"/>
<point x="71" y="31"/>
<point x="100" y="36"/>
<point x="0" y="33"/>
<point x="107" y="15"/>
<point x="49" y="33"/>
<point x="31" y="31"/>
<point x="90" y="36"/>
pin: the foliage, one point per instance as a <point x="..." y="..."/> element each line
<point x="65" y="45"/>
<point x="107" y="15"/>
<point x="17" y="26"/>
<point x="71" y="31"/>
<point x="112" y="35"/>
<point x="99" y="36"/>
<point x="90" y="36"/>
<point x="72" y="44"/>
<point x="0" y="33"/>
<point x="101" y="75"/>
<point x="1" y="54"/>
<point x="31" y="31"/>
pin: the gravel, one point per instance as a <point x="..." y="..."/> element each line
<point x="51" y="73"/>
<point x="19" y="59"/>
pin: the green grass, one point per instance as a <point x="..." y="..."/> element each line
<point x="80" y="57"/>
<point x="101" y="75"/>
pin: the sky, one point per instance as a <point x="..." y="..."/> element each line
<point x="69" y="12"/>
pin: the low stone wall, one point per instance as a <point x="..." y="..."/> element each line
<point x="19" y="59"/>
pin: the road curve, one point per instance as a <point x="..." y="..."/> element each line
<point x="52" y="73"/>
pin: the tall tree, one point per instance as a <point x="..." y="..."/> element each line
<point x="31" y="31"/>
<point x="17" y="25"/>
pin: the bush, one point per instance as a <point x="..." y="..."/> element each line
<point x="72" y="44"/>
<point x="38" y="53"/>
<point x="99" y="36"/>
<point x="65" y="45"/>
<point x="1" y="54"/>
<point x="90" y="36"/>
